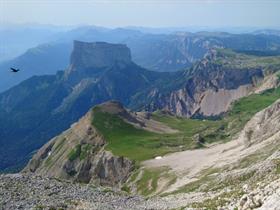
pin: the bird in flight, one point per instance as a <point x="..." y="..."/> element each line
<point x="14" y="70"/>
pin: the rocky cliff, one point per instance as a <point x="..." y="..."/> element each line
<point x="89" y="58"/>
<point x="98" y="54"/>
<point x="262" y="126"/>
<point x="239" y="174"/>
<point x="78" y="154"/>
<point x="210" y="86"/>
<point x="256" y="173"/>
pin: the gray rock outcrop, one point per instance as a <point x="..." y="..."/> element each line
<point x="78" y="154"/>
<point x="262" y="126"/>
<point x="208" y="90"/>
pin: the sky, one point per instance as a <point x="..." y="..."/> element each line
<point x="148" y="13"/>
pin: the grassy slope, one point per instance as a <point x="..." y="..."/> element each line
<point x="232" y="59"/>
<point x="125" y="140"/>
<point x="230" y="124"/>
<point x="243" y="109"/>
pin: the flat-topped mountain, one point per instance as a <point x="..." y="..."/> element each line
<point x="63" y="98"/>
<point x="158" y="52"/>
<point x="98" y="55"/>
<point x="91" y="59"/>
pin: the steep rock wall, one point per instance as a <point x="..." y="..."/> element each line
<point x="78" y="154"/>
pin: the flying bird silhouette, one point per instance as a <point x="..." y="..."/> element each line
<point x="14" y="70"/>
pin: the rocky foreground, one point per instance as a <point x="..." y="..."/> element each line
<point x="25" y="191"/>
<point x="21" y="191"/>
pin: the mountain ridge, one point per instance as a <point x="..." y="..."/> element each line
<point x="78" y="154"/>
<point x="60" y="100"/>
<point x="246" y="174"/>
<point x="215" y="76"/>
<point x="56" y="95"/>
<point x="162" y="52"/>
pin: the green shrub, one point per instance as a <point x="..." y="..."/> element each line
<point x="75" y="153"/>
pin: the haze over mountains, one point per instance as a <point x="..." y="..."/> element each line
<point x="158" y="52"/>
<point x="16" y="39"/>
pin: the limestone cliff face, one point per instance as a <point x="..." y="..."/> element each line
<point x="262" y="126"/>
<point x="208" y="89"/>
<point x="87" y="59"/>
<point x="78" y="154"/>
<point x="98" y="54"/>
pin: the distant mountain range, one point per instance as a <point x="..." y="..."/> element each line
<point x="43" y="106"/>
<point x="158" y="52"/>
<point x="16" y="39"/>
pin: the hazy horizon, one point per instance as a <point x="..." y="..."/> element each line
<point x="151" y="14"/>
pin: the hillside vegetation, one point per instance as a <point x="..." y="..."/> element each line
<point x="125" y="140"/>
<point x="232" y="59"/>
